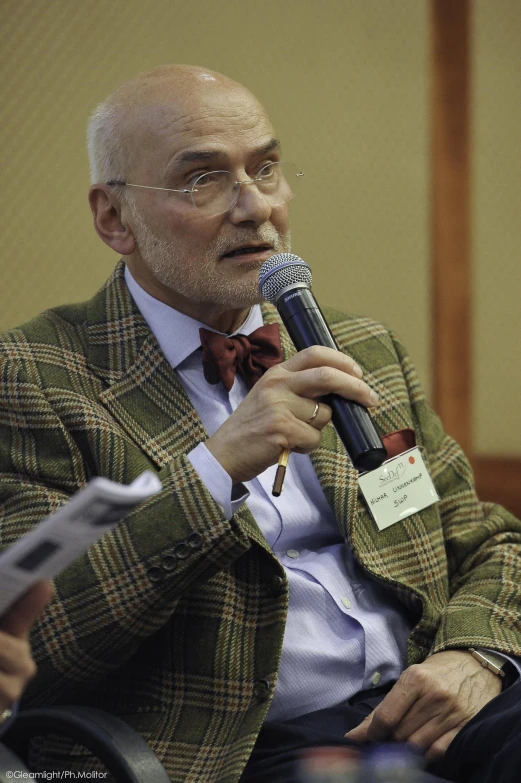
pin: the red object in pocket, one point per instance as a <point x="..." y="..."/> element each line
<point x="399" y="441"/>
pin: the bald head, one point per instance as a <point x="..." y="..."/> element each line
<point x="181" y="81"/>
<point x="129" y="121"/>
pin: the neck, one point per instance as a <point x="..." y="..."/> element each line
<point x="227" y="321"/>
<point x="216" y="316"/>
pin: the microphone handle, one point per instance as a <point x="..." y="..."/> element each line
<point x="307" y="326"/>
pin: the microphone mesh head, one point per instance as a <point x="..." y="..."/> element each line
<point x="281" y="270"/>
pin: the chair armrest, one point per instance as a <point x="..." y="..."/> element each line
<point x="9" y="762"/>
<point x="123" y="751"/>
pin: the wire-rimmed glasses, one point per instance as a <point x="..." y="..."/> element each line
<point x="216" y="192"/>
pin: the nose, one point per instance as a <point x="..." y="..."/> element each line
<point x="251" y="207"/>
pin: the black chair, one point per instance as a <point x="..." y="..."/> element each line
<point x="124" y="752"/>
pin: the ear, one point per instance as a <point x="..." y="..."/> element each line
<point x="109" y="221"/>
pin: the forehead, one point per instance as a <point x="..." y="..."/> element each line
<point x="230" y="123"/>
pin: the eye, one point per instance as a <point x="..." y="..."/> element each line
<point x="268" y="170"/>
<point x="189" y="179"/>
<point x="204" y="179"/>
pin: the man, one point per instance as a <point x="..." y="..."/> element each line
<point x="216" y="619"/>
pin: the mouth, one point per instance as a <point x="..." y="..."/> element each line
<point x="251" y="251"/>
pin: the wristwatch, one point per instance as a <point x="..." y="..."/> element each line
<point x="497" y="664"/>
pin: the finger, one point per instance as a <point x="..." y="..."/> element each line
<point x="438" y="748"/>
<point x="320" y="381"/>
<point x="22" y="615"/>
<point x="428" y="726"/>
<point x="303" y="411"/>
<point x="13" y="653"/>
<point x="428" y="715"/>
<point x="318" y="356"/>
<point x="391" y="711"/>
<point x="12" y="687"/>
<point x="359" y="734"/>
<point x="302" y="438"/>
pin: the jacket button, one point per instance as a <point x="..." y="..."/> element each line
<point x="195" y="541"/>
<point x="261" y="689"/>
<point x="155" y="574"/>
<point x="182" y="551"/>
<point x="276" y="586"/>
<point x="169" y="562"/>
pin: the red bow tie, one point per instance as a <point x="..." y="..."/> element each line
<point x="249" y="355"/>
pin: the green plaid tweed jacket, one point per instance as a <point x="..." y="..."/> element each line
<point x="174" y="621"/>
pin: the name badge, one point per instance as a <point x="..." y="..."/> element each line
<point x="398" y="488"/>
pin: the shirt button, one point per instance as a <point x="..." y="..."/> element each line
<point x="293" y="553"/>
<point x="375" y="679"/>
<point x="346" y="602"/>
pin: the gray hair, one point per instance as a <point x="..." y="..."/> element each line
<point x="107" y="156"/>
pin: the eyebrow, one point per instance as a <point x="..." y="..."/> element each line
<point x="195" y="156"/>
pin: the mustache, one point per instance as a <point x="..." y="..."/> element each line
<point x="219" y="246"/>
<point x="268" y="235"/>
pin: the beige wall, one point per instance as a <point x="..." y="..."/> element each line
<point x="344" y="80"/>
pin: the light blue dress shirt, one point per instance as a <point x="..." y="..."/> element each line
<point x="355" y="636"/>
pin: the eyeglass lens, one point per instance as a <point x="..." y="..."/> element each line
<point x="216" y="192"/>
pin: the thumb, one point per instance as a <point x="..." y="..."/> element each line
<point x="22" y="615"/>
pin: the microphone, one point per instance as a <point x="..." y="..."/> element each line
<point x="285" y="281"/>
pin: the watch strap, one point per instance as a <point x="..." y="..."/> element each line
<point x="497" y="664"/>
<point x="488" y="660"/>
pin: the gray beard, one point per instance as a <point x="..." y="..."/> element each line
<point x="204" y="282"/>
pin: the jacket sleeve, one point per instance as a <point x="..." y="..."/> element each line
<point x="126" y="586"/>
<point x="482" y="541"/>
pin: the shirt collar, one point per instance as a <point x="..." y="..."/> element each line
<point x="177" y="333"/>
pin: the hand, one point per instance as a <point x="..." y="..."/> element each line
<point x="16" y="664"/>
<point x="430" y="703"/>
<point x="274" y="414"/>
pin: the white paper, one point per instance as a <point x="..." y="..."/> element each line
<point x="397" y="489"/>
<point x="64" y="535"/>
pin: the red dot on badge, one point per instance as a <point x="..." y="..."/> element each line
<point x="412" y="460"/>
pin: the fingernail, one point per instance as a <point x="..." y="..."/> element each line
<point x="373" y="398"/>
<point x="357" y="371"/>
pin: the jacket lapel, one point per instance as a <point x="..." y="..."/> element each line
<point x="143" y="392"/>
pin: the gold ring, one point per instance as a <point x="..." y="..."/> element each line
<point x="317" y="406"/>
